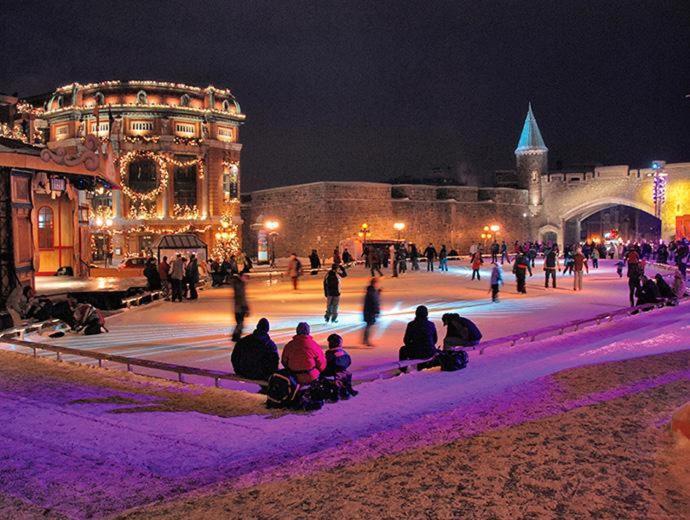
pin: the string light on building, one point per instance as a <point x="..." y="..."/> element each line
<point x="659" y="188"/>
<point x="227" y="239"/>
<point x="185" y="212"/>
<point x="197" y="161"/>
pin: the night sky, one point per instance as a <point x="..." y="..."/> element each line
<point x="372" y="90"/>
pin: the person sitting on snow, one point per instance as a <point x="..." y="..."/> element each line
<point x="460" y="332"/>
<point x="255" y="356"/>
<point x="420" y="337"/>
<point x="303" y="356"/>
<point x="19" y="302"/>
<point x="664" y="289"/>
<point x="337" y="363"/>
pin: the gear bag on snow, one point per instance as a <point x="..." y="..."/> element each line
<point x="282" y="389"/>
<point x="452" y="360"/>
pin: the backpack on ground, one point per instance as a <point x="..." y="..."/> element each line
<point x="283" y="389"/>
<point x="452" y="360"/>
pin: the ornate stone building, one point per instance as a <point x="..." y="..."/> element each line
<point x="176" y="154"/>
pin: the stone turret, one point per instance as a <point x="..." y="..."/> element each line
<point x="531" y="156"/>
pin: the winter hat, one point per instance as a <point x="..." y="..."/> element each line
<point x="421" y="312"/>
<point x="263" y="325"/>
<point x="303" y="328"/>
<point x="335" y="341"/>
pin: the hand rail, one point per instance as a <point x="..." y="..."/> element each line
<point x="180" y="370"/>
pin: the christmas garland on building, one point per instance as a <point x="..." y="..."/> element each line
<point x="160" y="159"/>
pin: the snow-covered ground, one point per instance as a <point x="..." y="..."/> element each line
<point x="82" y="441"/>
<point x="197" y="333"/>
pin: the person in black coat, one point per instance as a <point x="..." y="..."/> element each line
<point x="420" y="337"/>
<point x="372" y="308"/>
<point x="153" y="277"/>
<point x="647" y="292"/>
<point x="460" y="332"/>
<point x="255" y="356"/>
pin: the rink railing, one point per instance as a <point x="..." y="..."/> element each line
<point x="365" y="374"/>
<point x="101" y="357"/>
<point x="571" y="326"/>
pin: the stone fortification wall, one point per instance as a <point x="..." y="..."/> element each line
<point x="321" y="215"/>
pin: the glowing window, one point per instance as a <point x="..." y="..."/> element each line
<point x="231" y="183"/>
<point x="45" y="228"/>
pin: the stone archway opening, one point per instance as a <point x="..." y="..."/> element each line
<point x="602" y="220"/>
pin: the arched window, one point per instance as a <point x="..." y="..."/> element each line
<point x="226" y="105"/>
<point x="99" y="98"/>
<point x="45" y="228"/>
<point x="142" y="176"/>
<point x="230" y="183"/>
<point x="141" y="97"/>
<point x="60" y="101"/>
<point x="184" y="100"/>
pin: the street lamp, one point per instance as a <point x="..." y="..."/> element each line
<point x="495" y="228"/>
<point x="272" y="226"/>
<point x="399" y="226"/>
<point x="364" y="231"/>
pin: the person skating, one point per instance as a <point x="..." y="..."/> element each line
<point x="495" y="248"/>
<point x="294" y="270"/>
<point x="401" y="259"/>
<point x="567" y="261"/>
<point x="504" y="252"/>
<point x="314" y="261"/>
<point x="619" y="268"/>
<point x="420" y="337"/>
<point x="241" y="304"/>
<point x="347" y="257"/>
<point x="374" y="261"/>
<point x="372" y="309"/>
<point x="579" y="263"/>
<point x="635" y="272"/>
<point x="303" y="356"/>
<point x="255" y="356"/>
<point x="551" y="265"/>
<point x="496" y="281"/>
<point x="477" y="262"/>
<point x="331" y="290"/>
<point x="520" y="268"/>
<point x="443" y="258"/>
<point x="430" y="254"/>
<point x="595" y="258"/>
<point x="176" y="277"/>
<point x="414" y="257"/>
<point x="336" y="256"/>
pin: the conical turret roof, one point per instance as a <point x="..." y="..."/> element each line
<point x="530" y="138"/>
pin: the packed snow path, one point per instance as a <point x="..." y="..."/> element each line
<point x="197" y="333"/>
<point x="81" y="447"/>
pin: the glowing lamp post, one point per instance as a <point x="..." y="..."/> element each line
<point x="399" y="227"/>
<point x="495" y="228"/>
<point x="364" y="231"/>
<point x="272" y="228"/>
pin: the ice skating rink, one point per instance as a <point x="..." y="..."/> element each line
<point x="196" y="333"/>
